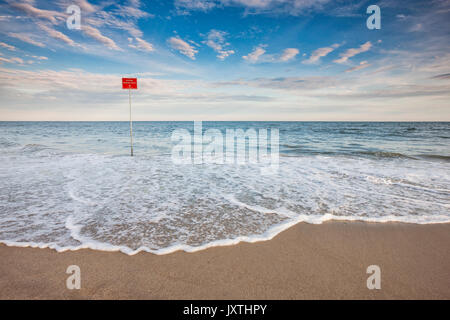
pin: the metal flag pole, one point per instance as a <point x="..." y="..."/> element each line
<point x="131" y="123"/>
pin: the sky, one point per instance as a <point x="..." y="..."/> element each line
<point x="262" y="60"/>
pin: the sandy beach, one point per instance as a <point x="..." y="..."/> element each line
<point x="307" y="261"/>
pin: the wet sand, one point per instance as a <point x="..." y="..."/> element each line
<point x="327" y="261"/>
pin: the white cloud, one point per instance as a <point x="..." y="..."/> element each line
<point x="319" y="53"/>
<point x="52" y="16"/>
<point x="96" y="34"/>
<point x="104" y="18"/>
<point x="57" y="35"/>
<point x="417" y="27"/>
<point x="17" y="59"/>
<point x="183" y="47"/>
<point x="353" y="52"/>
<point x="55" y="94"/>
<point x="381" y="87"/>
<point x="292" y="7"/>
<point x="40" y="57"/>
<point x="85" y="6"/>
<point x="26" y="38"/>
<point x="224" y="54"/>
<point x="5" y="18"/>
<point x="131" y="11"/>
<point x="201" y="5"/>
<point x="5" y="60"/>
<point x="7" y="46"/>
<point x="141" y="45"/>
<point x="216" y="41"/>
<point x="255" y="55"/>
<point x="74" y="80"/>
<point x="287" y="83"/>
<point x="362" y="65"/>
<point x="122" y="16"/>
<point x="289" y="54"/>
<point x="11" y="60"/>
<point x="259" y="55"/>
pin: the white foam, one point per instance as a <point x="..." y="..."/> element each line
<point x="109" y="203"/>
<point x="268" y="235"/>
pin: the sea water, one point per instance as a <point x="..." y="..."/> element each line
<point x="71" y="185"/>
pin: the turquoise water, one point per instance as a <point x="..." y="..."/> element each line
<point x="69" y="185"/>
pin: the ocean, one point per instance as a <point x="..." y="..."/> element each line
<point x="71" y="185"/>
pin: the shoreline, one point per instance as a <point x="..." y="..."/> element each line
<point x="305" y="261"/>
<point x="267" y="236"/>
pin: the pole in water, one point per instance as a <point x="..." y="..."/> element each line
<point x="130" y="83"/>
<point x="131" y="123"/>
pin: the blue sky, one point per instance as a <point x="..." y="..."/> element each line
<point x="225" y="60"/>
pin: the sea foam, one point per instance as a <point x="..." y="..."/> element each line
<point x="110" y="203"/>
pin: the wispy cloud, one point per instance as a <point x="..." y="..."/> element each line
<point x="84" y="5"/>
<point x="291" y="7"/>
<point x="216" y="41"/>
<point x="40" y="57"/>
<point x="285" y="83"/>
<point x="255" y="55"/>
<point x="141" y="44"/>
<point x="363" y="87"/>
<point x="7" y="46"/>
<point x="259" y="54"/>
<point x="5" y="17"/>
<point x="57" y="34"/>
<point x="66" y="89"/>
<point x="122" y="16"/>
<point x="131" y="11"/>
<point x="417" y="27"/>
<point x="444" y="76"/>
<point x="11" y="60"/>
<point x="26" y="38"/>
<point x="201" y="5"/>
<point x="319" y="53"/>
<point x="97" y="35"/>
<point x="289" y="54"/>
<point x="103" y="18"/>
<point x="362" y="65"/>
<point x="183" y="47"/>
<point x="50" y="15"/>
<point x="353" y="52"/>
